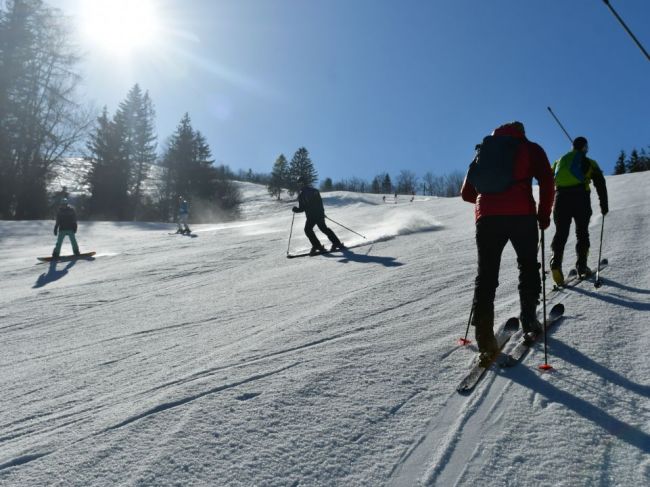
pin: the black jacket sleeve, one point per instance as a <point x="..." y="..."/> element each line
<point x="601" y="188"/>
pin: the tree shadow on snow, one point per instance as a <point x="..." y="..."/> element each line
<point x="349" y="256"/>
<point x="532" y="380"/>
<point x="52" y="274"/>
<point x="609" y="298"/>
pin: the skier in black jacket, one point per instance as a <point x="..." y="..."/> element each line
<point x="65" y="226"/>
<point x="310" y="202"/>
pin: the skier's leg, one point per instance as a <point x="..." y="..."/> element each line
<point x="490" y="241"/>
<point x="73" y="241"/>
<point x="562" y="216"/>
<point x="524" y="237"/>
<point x="336" y="243"/>
<point x="582" y="217"/>
<point x="59" y="242"/>
<point x="309" y="231"/>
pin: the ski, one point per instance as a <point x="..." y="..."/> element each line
<point x="326" y="251"/>
<point x="574" y="279"/>
<point x="183" y="234"/>
<point x="516" y="354"/>
<point x="85" y="255"/>
<point x="477" y="371"/>
<point x="307" y="254"/>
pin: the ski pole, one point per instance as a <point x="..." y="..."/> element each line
<point x="561" y="126"/>
<point x="545" y="365"/>
<point x="345" y="227"/>
<point x="290" y="232"/>
<point x="466" y="341"/>
<point x="628" y="30"/>
<point x="598" y="282"/>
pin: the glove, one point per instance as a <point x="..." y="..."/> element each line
<point x="544" y="221"/>
<point x="294" y="209"/>
<point x="55" y="232"/>
<point x="604" y="209"/>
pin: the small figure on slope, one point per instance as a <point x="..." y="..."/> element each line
<point x="65" y="226"/>
<point x="309" y="201"/>
<point x="183" y="216"/>
<point x="573" y="172"/>
<point x="499" y="182"/>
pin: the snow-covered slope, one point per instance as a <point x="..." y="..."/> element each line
<point x="214" y="360"/>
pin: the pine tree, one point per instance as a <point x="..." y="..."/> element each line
<point x="327" y="185"/>
<point x="301" y="171"/>
<point x="387" y="185"/>
<point x="375" y="185"/>
<point x="644" y="160"/>
<point x="189" y="172"/>
<point x="635" y="164"/>
<point x="108" y="178"/>
<point x="619" y="167"/>
<point x="279" y="176"/>
<point x="136" y="116"/>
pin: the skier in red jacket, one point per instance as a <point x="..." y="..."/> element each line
<point x="510" y="215"/>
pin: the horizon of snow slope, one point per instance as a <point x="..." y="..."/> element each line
<point x="214" y="360"/>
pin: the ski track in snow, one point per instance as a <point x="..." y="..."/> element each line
<point x="172" y="360"/>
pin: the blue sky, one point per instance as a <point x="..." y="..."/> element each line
<point x="370" y="86"/>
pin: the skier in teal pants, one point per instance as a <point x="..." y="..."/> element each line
<point x="66" y="226"/>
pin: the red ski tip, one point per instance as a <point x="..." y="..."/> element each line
<point x="546" y="367"/>
<point x="464" y="341"/>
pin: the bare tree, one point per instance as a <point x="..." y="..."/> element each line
<point x="40" y="121"/>
<point x="453" y="183"/>
<point x="406" y="182"/>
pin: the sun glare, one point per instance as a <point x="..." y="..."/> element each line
<point x="120" y="26"/>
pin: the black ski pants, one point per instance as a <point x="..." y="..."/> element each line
<point x="492" y="235"/>
<point x="320" y="223"/>
<point x="571" y="204"/>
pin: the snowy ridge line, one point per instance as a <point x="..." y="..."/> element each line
<point x="179" y="402"/>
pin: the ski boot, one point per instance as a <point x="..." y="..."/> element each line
<point x="488" y="348"/>
<point x="583" y="270"/>
<point x="187" y="231"/>
<point x="530" y="325"/>
<point x="581" y="265"/>
<point x="317" y="250"/>
<point x="337" y="246"/>
<point x="556" y="271"/>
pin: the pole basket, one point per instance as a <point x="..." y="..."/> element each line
<point x="546" y="367"/>
<point x="464" y="341"/>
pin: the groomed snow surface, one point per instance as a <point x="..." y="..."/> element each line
<point x="215" y="360"/>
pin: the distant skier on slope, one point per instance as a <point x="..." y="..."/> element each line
<point x="499" y="182"/>
<point x="573" y="173"/>
<point x="309" y="201"/>
<point x="183" y="216"/>
<point x="65" y="226"/>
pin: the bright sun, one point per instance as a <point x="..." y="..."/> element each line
<point x="120" y="26"/>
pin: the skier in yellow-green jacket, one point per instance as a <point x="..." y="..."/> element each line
<point x="573" y="174"/>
